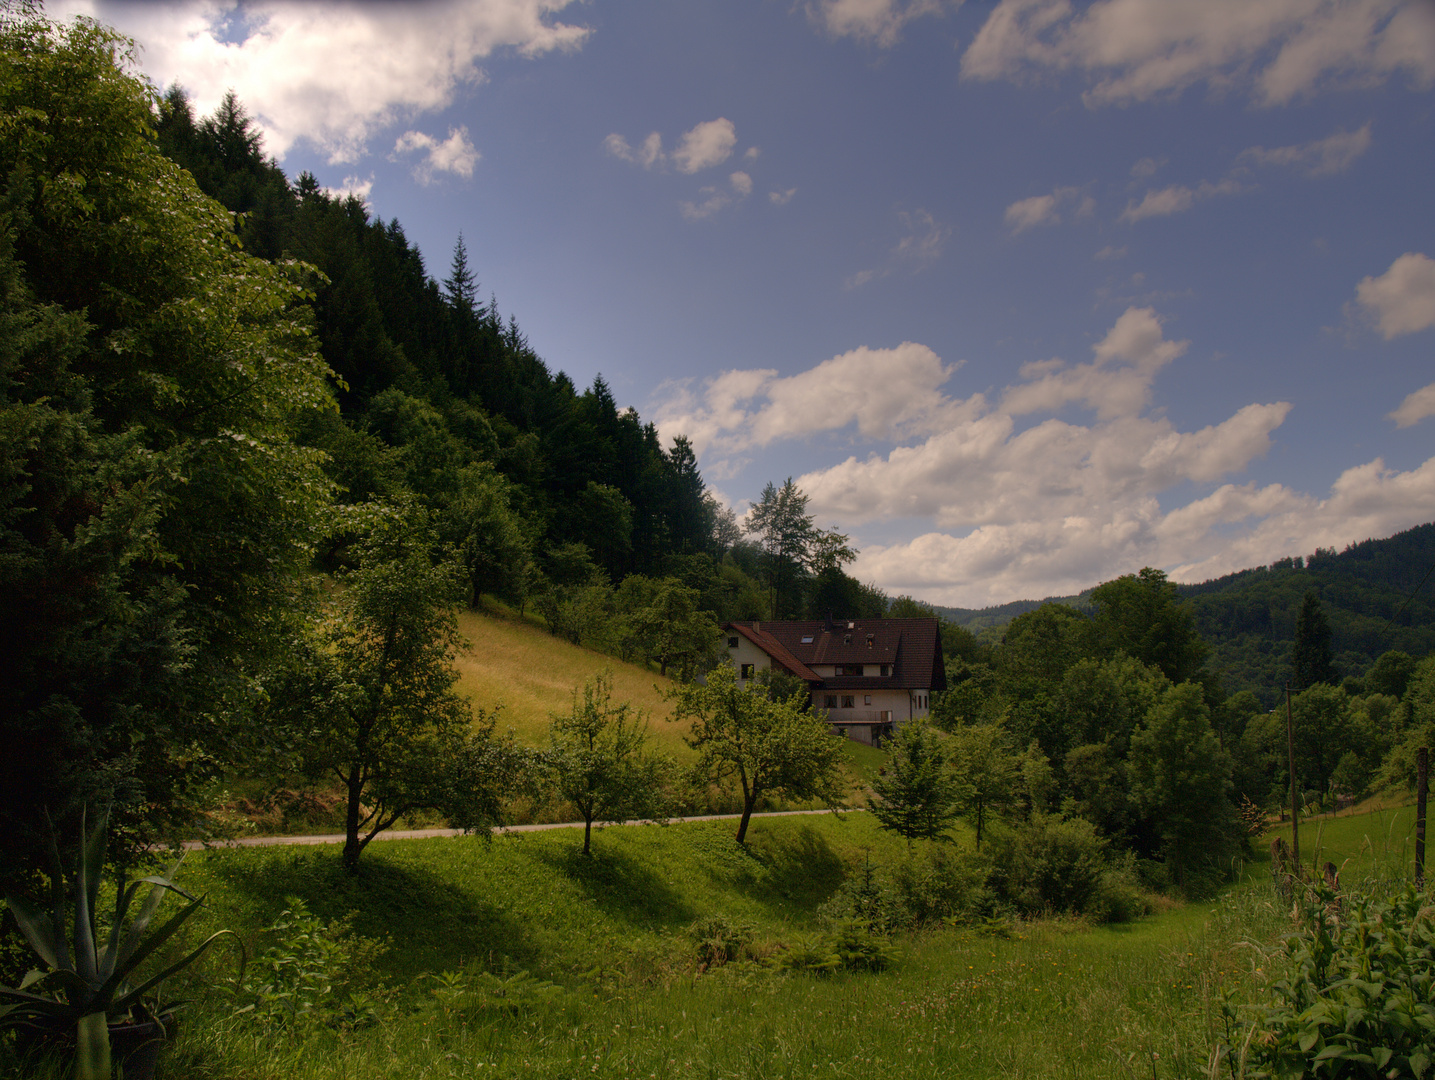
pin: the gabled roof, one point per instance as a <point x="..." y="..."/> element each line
<point x="775" y="649"/>
<point x="912" y="646"/>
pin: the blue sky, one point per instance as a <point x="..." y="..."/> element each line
<point x="1025" y="294"/>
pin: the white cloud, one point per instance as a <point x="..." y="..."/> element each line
<point x="781" y="198"/>
<point x="453" y="155"/>
<point x="357" y="187"/>
<point x="1023" y="500"/>
<point x="1275" y="50"/>
<point x="708" y="144"/>
<point x="1146" y="167"/>
<point x="715" y="199"/>
<point x="1401" y="300"/>
<point x="1044" y="209"/>
<point x="647" y="155"/>
<point x="919" y="248"/>
<point x="1335" y="153"/>
<point x="1176" y="199"/>
<point x="1415" y="407"/>
<point x="1110" y="252"/>
<point x="877" y="21"/>
<point x="333" y="73"/>
<point x="1116" y="383"/>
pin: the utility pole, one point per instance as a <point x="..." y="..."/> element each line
<point x="1422" y="787"/>
<point x="1295" y="809"/>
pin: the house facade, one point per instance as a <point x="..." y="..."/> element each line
<point x="867" y="675"/>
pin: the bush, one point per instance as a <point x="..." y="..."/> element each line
<point x="720" y="940"/>
<point x="1358" y="998"/>
<point x="943" y="882"/>
<point x="866" y="900"/>
<point x="1119" y="896"/>
<point x="1049" y="864"/>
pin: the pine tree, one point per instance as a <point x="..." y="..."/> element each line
<point x="460" y="288"/>
<point x="1310" y="655"/>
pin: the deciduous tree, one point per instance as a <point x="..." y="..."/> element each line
<point x="600" y="760"/>
<point x="766" y="747"/>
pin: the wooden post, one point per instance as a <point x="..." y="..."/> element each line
<point x="1295" y="805"/>
<point x="1422" y="786"/>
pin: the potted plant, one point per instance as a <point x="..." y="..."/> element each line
<point x="86" y="989"/>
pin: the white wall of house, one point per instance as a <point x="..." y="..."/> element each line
<point x="745" y="655"/>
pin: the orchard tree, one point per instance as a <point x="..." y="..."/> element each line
<point x="918" y="794"/>
<point x="158" y="514"/>
<point x="600" y="761"/>
<point x="767" y="747"/>
<point x="373" y="700"/>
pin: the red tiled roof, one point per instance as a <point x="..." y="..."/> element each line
<point x="912" y="646"/>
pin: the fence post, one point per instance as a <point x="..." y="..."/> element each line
<point x="1422" y="786"/>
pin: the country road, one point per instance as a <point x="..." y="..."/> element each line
<point x="425" y="834"/>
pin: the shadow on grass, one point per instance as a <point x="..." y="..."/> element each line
<point x="802" y="869"/>
<point x="622" y="886"/>
<point x="428" y="923"/>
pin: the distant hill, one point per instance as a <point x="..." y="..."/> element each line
<point x="1377" y="595"/>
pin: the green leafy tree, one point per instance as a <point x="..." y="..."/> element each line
<point x="373" y="697"/>
<point x="1144" y="616"/>
<point x="1310" y="653"/>
<point x="780" y="519"/>
<point x="600" y="761"/>
<point x="767" y="747"/>
<point x="1324" y="732"/>
<point x="918" y="796"/>
<point x="661" y="622"/>
<point x="987" y="772"/>
<point x="489" y="536"/>
<point x="158" y="515"/>
<point x="1180" y="782"/>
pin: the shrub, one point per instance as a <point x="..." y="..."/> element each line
<point x="720" y="940"/>
<point x="868" y="900"/>
<point x="1358" y="998"/>
<point x="1049" y="864"/>
<point x="943" y="882"/>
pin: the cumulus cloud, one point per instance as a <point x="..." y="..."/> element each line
<point x="920" y="246"/>
<point x="353" y="186"/>
<point x="453" y="155"/>
<point x="1401" y="300"/>
<point x="1044" y="209"/>
<point x="713" y="199"/>
<point x="781" y="198"/>
<point x="334" y="73"/>
<point x="706" y="145"/>
<point x="1415" y="407"/>
<point x="1023" y="497"/>
<point x="876" y="21"/>
<point x="647" y="154"/>
<point x="1335" y="153"/>
<point x="1139" y="50"/>
<point x="1176" y="199"/>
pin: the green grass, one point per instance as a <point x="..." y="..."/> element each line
<point x="532" y="674"/>
<point x="1062" y="999"/>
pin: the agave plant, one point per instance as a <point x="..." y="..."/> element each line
<point x="87" y="982"/>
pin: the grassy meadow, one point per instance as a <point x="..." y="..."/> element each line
<point x="433" y="937"/>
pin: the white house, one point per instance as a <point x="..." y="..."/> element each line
<point x="868" y="675"/>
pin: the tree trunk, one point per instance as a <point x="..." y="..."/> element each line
<point x="747" y="804"/>
<point x="352" y="847"/>
<point x="587" y="833"/>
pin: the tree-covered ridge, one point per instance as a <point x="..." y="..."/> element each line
<point x="1376" y="596"/>
<point x="440" y="394"/>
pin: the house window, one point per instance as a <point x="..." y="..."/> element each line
<point x="866" y="699"/>
<point x="732" y="643"/>
<point x="886" y="670"/>
<point x="807" y="639"/>
<point x="747" y="671"/>
<point x="830" y="702"/>
<point x="847" y="701"/>
<point x="848" y="669"/>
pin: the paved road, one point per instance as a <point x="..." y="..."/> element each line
<point x="425" y="834"/>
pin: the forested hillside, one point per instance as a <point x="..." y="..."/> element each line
<point x="1376" y="596"/>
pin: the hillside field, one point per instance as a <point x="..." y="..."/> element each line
<point x="616" y="986"/>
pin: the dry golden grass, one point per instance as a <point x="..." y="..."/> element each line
<point x="533" y="674"/>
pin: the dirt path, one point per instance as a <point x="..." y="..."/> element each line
<point x="425" y="834"/>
